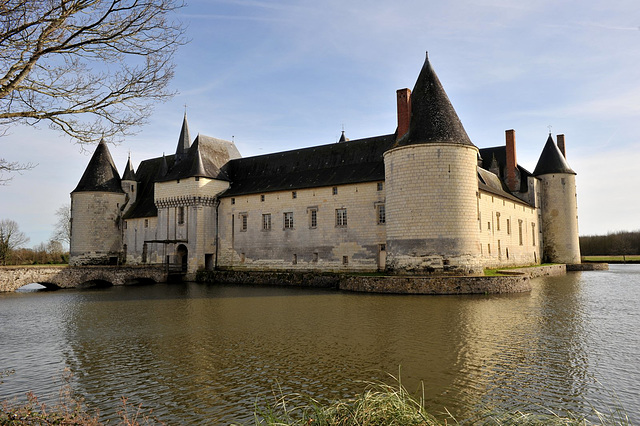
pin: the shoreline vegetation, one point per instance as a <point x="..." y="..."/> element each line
<point x="378" y="404"/>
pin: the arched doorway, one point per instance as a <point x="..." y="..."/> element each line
<point x="182" y="255"/>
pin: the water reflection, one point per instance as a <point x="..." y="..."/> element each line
<point x="195" y="353"/>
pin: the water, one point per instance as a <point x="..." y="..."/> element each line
<point x="196" y="353"/>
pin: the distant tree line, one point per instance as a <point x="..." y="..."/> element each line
<point x="49" y="253"/>
<point x="615" y="243"/>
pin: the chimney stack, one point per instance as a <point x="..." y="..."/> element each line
<point x="404" y="111"/>
<point x="512" y="162"/>
<point x="561" y="146"/>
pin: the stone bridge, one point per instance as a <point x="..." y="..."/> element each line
<point x="54" y="277"/>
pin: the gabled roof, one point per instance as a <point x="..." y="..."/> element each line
<point x="144" y="205"/>
<point x="551" y="160"/>
<point x="433" y="118"/>
<point x="128" y="174"/>
<point x="489" y="182"/>
<point x="353" y="161"/>
<point x="101" y="173"/>
<point x="205" y="158"/>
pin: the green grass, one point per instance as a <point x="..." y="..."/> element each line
<point x="383" y="404"/>
<point x="612" y="258"/>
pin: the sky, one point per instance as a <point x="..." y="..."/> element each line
<point x="275" y="75"/>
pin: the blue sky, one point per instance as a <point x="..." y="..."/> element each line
<point x="282" y="74"/>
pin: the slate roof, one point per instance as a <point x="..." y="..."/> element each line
<point x="184" y="140"/>
<point x="205" y="158"/>
<point x="433" y="118"/>
<point x="128" y="174"/>
<point x="148" y="171"/>
<point x="551" y="160"/>
<point x="489" y="182"/>
<point x="500" y="155"/>
<point x="101" y="173"/>
<point x="326" y="165"/>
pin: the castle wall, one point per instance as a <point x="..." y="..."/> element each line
<point x="95" y="227"/>
<point x="559" y="206"/>
<point x="432" y="209"/>
<point x="510" y="234"/>
<point x="327" y="244"/>
<point x="136" y="232"/>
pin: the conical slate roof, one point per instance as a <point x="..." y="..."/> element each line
<point x="183" y="140"/>
<point x="129" y="174"/>
<point x="551" y="160"/>
<point x="101" y="173"/>
<point x="433" y="118"/>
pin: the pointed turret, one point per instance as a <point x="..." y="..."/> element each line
<point x="433" y="118"/>
<point x="101" y="174"/>
<point x="551" y="160"/>
<point x="164" y="168"/>
<point x="197" y="166"/>
<point x="343" y="138"/>
<point x="183" y="140"/>
<point x="129" y="173"/>
<point x="558" y="206"/>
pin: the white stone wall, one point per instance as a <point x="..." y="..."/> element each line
<point x="95" y="227"/>
<point x="559" y="206"/>
<point x="499" y="224"/>
<point x="431" y="208"/>
<point x="328" y="246"/>
<point x="136" y="232"/>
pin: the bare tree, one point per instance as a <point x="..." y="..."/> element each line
<point x="62" y="231"/>
<point x="89" y="68"/>
<point x="11" y="166"/>
<point x="11" y="238"/>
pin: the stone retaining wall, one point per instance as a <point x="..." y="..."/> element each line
<point x="588" y="267"/>
<point x="375" y="284"/>
<point x="537" y="271"/>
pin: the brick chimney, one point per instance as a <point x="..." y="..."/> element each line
<point x="404" y="111"/>
<point x="561" y="146"/>
<point x="512" y="162"/>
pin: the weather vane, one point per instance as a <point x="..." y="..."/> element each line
<point x="549" y="127"/>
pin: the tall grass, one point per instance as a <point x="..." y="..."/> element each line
<point x="384" y="404"/>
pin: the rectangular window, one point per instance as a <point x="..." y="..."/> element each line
<point x="243" y="221"/>
<point x="497" y="221"/>
<point x="146" y="223"/>
<point x="380" y="186"/>
<point x="266" y="222"/>
<point x="262" y="198"/>
<point x="509" y="226"/>
<point x="197" y="178"/>
<point x="520" y="231"/>
<point x="180" y="215"/>
<point x="295" y="259"/>
<point x="345" y="260"/>
<point x="125" y="224"/>
<point x="313" y="218"/>
<point x="533" y="234"/>
<point x="341" y="218"/>
<point x="294" y="194"/>
<point x="489" y="225"/>
<point x="335" y="190"/>
<point x="315" y="257"/>
<point x="233" y="201"/>
<point x="382" y="214"/>
<point x="288" y="220"/>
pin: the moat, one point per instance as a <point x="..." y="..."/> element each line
<point x="196" y="353"/>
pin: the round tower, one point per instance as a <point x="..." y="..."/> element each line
<point x="431" y="188"/>
<point x="558" y="206"/>
<point x="96" y="205"/>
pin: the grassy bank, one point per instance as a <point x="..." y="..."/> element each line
<point x="379" y="404"/>
<point x="613" y="259"/>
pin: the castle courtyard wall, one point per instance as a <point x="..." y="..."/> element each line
<point x="510" y="234"/>
<point x="326" y="244"/>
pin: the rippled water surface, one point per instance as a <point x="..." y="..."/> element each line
<point x="206" y="353"/>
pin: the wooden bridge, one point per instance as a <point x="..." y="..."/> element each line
<point x="54" y="277"/>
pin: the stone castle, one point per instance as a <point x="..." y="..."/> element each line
<point x="422" y="200"/>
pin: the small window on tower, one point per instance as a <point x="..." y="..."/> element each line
<point x="180" y="215"/>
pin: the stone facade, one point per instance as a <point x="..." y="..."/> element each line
<point x="424" y="201"/>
